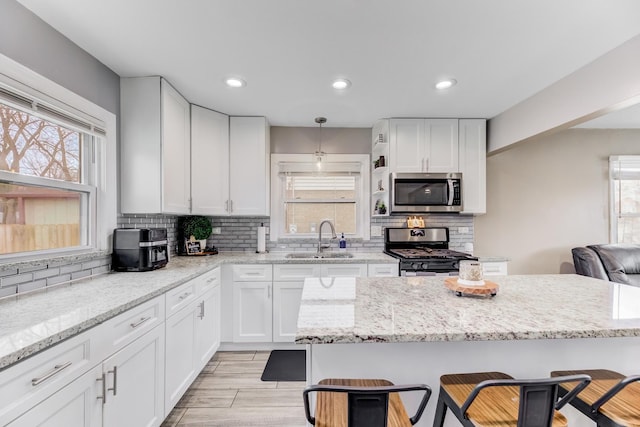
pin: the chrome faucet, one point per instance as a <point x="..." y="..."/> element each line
<point x="333" y="235"/>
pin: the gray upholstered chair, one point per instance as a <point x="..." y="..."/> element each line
<point x="615" y="262"/>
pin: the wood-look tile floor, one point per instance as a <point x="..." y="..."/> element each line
<point x="229" y="392"/>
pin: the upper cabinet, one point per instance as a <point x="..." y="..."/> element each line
<point x="155" y="150"/>
<point x="473" y="165"/>
<point x="249" y="166"/>
<point x="230" y="164"/>
<point x="209" y="161"/>
<point x="423" y="145"/>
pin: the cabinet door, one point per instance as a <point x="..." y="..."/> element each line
<point x="441" y="145"/>
<point x="249" y="166"/>
<point x="78" y="404"/>
<point x="473" y="165"/>
<point x="180" y="369"/>
<point x="406" y="145"/>
<point x="176" y="158"/>
<point x="209" y="161"/>
<point x="252" y="320"/>
<point x="207" y="327"/>
<point x="135" y="388"/>
<point x="286" y="304"/>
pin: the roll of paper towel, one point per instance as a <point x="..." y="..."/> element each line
<point x="262" y="239"/>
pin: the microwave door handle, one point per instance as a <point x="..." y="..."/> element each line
<point x="450" y="201"/>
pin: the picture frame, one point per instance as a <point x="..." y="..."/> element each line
<point x="192" y="247"/>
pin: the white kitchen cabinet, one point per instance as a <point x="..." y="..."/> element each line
<point x="209" y="161"/>
<point x="192" y="332"/>
<point x="248" y="166"/>
<point x="423" y="145"/>
<point x="135" y="383"/>
<point x="155" y="149"/>
<point x="473" y="165"/>
<point x="252" y="303"/>
<point x="383" y="270"/>
<point x="78" y="404"/>
<point x="286" y="305"/>
<point x="494" y="268"/>
<point x="343" y="270"/>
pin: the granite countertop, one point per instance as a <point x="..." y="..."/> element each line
<point x="421" y="309"/>
<point x="32" y="322"/>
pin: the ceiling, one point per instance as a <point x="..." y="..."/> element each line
<point x="289" y="51"/>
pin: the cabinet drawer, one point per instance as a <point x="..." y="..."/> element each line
<point x="182" y="296"/>
<point x="252" y="272"/>
<point x="497" y="268"/>
<point x="383" y="270"/>
<point x="295" y="272"/>
<point x="132" y="324"/>
<point x="343" y="270"/>
<point x="208" y="281"/>
<point x="24" y="385"/>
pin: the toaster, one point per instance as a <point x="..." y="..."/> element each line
<point x="139" y="249"/>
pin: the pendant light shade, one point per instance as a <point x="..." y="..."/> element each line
<point x="319" y="154"/>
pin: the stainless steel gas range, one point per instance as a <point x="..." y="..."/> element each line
<point x="423" y="251"/>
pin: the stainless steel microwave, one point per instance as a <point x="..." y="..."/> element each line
<point x="425" y="192"/>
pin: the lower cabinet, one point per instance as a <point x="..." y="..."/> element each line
<point x="192" y="333"/>
<point x="494" y="268"/>
<point x="79" y="404"/>
<point x="252" y="311"/>
<point x="133" y="380"/>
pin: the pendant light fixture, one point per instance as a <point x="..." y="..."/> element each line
<point x="319" y="154"/>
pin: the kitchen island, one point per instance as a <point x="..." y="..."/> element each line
<point x="413" y="329"/>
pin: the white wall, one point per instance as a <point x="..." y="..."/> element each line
<point x="549" y="195"/>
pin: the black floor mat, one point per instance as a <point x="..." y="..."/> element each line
<point x="286" y="365"/>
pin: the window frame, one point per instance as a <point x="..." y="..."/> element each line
<point x="48" y="99"/>
<point x="277" y="197"/>
<point x="616" y="161"/>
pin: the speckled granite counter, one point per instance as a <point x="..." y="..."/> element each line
<point x="413" y="330"/>
<point x="32" y="322"/>
<point x="415" y="309"/>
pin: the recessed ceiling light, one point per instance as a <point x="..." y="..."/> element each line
<point x="235" y="82"/>
<point x="446" y="83"/>
<point x="341" y="84"/>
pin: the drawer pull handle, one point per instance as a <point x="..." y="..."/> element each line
<point x="104" y="388"/>
<point x="212" y="280"/>
<point x="139" y="322"/>
<point x="56" y="369"/>
<point x="201" y="305"/>
<point x="114" y="389"/>
<point x="252" y="273"/>
<point x="184" y="296"/>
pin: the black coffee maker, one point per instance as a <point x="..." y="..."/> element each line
<point x="139" y="249"/>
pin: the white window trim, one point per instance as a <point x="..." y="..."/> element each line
<point x="613" y="217"/>
<point x="277" y="201"/>
<point x="21" y="78"/>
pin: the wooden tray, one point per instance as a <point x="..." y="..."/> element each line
<point x="488" y="289"/>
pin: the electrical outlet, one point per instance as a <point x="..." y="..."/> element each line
<point x="376" y="230"/>
<point x="463" y="230"/>
<point x="216" y="230"/>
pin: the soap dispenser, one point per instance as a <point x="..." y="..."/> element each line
<point x="343" y="243"/>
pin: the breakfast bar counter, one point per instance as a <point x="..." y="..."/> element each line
<point x="413" y="329"/>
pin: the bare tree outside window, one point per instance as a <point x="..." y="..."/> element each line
<point x="33" y="217"/>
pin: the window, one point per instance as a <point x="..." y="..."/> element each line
<point x="303" y="196"/>
<point x="624" y="178"/>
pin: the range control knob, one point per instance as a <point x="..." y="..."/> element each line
<point x="416" y="265"/>
<point x="425" y="266"/>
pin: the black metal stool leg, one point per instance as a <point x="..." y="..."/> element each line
<point x="441" y="411"/>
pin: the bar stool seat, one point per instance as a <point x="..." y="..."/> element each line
<point x="610" y="400"/>
<point x="362" y="402"/>
<point x="495" y="399"/>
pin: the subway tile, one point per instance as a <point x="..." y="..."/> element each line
<point x="9" y="290"/>
<point x="43" y="274"/>
<point x="70" y="268"/>
<point x="17" y="279"/>
<point x="58" y="279"/>
<point x="80" y="274"/>
<point x="36" y="284"/>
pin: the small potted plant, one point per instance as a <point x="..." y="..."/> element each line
<point x="382" y="209"/>
<point x="197" y="228"/>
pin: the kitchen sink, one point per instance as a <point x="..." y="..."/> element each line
<point x="307" y="255"/>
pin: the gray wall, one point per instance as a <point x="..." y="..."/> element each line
<point x="549" y="195"/>
<point x="301" y="140"/>
<point x="27" y="39"/>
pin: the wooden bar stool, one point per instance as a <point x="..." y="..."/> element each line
<point x="362" y="403"/>
<point x="611" y="400"/>
<point x="497" y="399"/>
